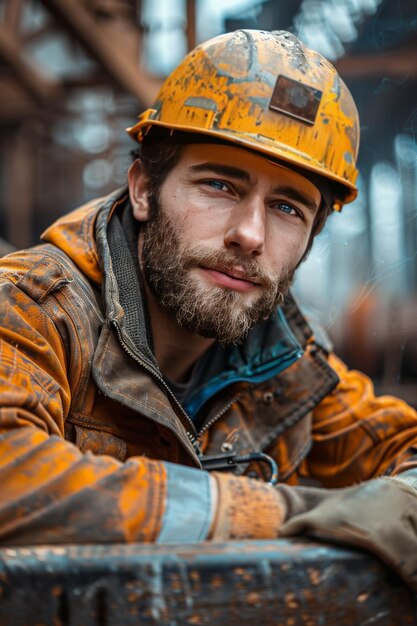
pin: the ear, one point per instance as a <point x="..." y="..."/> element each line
<point x="138" y="190"/>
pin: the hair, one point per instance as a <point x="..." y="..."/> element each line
<point x="158" y="157"/>
<point x="161" y="150"/>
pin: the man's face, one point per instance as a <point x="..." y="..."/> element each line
<point x="224" y="237"/>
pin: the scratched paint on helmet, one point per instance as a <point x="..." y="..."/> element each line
<point x="238" y="71"/>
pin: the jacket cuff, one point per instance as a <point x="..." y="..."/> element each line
<point x="189" y="505"/>
<point x="246" y="509"/>
<point x="408" y="477"/>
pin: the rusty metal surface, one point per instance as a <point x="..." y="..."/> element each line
<point x="239" y="583"/>
<point x="295" y="99"/>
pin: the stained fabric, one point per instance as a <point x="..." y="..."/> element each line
<point x="87" y="423"/>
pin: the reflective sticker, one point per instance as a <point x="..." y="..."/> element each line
<point x="295" y="99"/>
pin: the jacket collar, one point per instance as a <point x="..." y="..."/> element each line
<point x="74" y="233"/>
<point x="269" y="348"/>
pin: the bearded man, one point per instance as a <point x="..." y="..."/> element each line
<point x="151" y="343"/>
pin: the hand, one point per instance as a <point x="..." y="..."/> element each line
<point x="379" y="515"/>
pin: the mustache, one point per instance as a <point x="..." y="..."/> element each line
<point x="227" y="261"/>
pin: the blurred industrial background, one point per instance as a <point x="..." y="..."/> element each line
<point x="75" y="73"/>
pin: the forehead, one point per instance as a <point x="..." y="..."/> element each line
<point x="258" y="167"/>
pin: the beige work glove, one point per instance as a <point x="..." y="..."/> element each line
<point x="246" y="509"/>
<point x="379" y="515"/>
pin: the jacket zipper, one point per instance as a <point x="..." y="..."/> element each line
<point x="192" y="434"/>
<point x="222" y="412"/>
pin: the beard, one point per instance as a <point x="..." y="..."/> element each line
<point x="215" y="312"/>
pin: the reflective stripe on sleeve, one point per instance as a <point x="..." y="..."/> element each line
<point x="189" y="505"/>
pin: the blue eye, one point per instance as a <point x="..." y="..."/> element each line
<point x="216" y="184"/>
<point x="286" y="208"/>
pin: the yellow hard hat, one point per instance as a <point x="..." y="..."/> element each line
<point x="268" y="92"/>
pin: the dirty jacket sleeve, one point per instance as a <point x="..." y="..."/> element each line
<point x="51" y="492"/>
<point x="357" y="436"/>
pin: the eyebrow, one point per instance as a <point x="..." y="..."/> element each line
<point x="298" y="196"/>
<point x="236" y="172"/>
<point x="225" y="170"/>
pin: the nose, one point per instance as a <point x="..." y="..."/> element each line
<point x="246" y="227"/>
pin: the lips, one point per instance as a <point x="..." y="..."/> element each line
<point x="235" y="279"/>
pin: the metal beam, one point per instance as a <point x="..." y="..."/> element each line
<point x="400" y="65"/>
<point x="20" y="185"/>
<point x="36" y="33"/>
<point x="191" y="25"/>
<point x="241" y="583"/>
<point x="34" y="83"/>
<point x="110" y="51"/>
<point x="12" y="14"/>
<point x="14" y="102"/>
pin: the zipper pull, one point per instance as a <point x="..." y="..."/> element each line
<point x="195" y="444"/>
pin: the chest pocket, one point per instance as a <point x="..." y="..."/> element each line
<point x="96" y="441"/>
<point x="276" y="417"/>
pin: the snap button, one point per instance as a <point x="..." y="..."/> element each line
<point x="227" y="447"/>
<point x="268" y="397"/>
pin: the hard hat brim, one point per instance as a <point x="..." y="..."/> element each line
<point x="274" y="150"/>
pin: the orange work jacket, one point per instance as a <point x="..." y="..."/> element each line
<point x="88" y="426"/>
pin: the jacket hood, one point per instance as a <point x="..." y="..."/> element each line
<point x="74" y="233"/>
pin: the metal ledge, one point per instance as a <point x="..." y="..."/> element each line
<point x="289" y="583"/>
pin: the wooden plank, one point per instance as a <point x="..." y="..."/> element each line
<point x="111" y="52"/>
<point x="270" y="583"/>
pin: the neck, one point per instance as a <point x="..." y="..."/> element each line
<point x="176" y="349"/>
